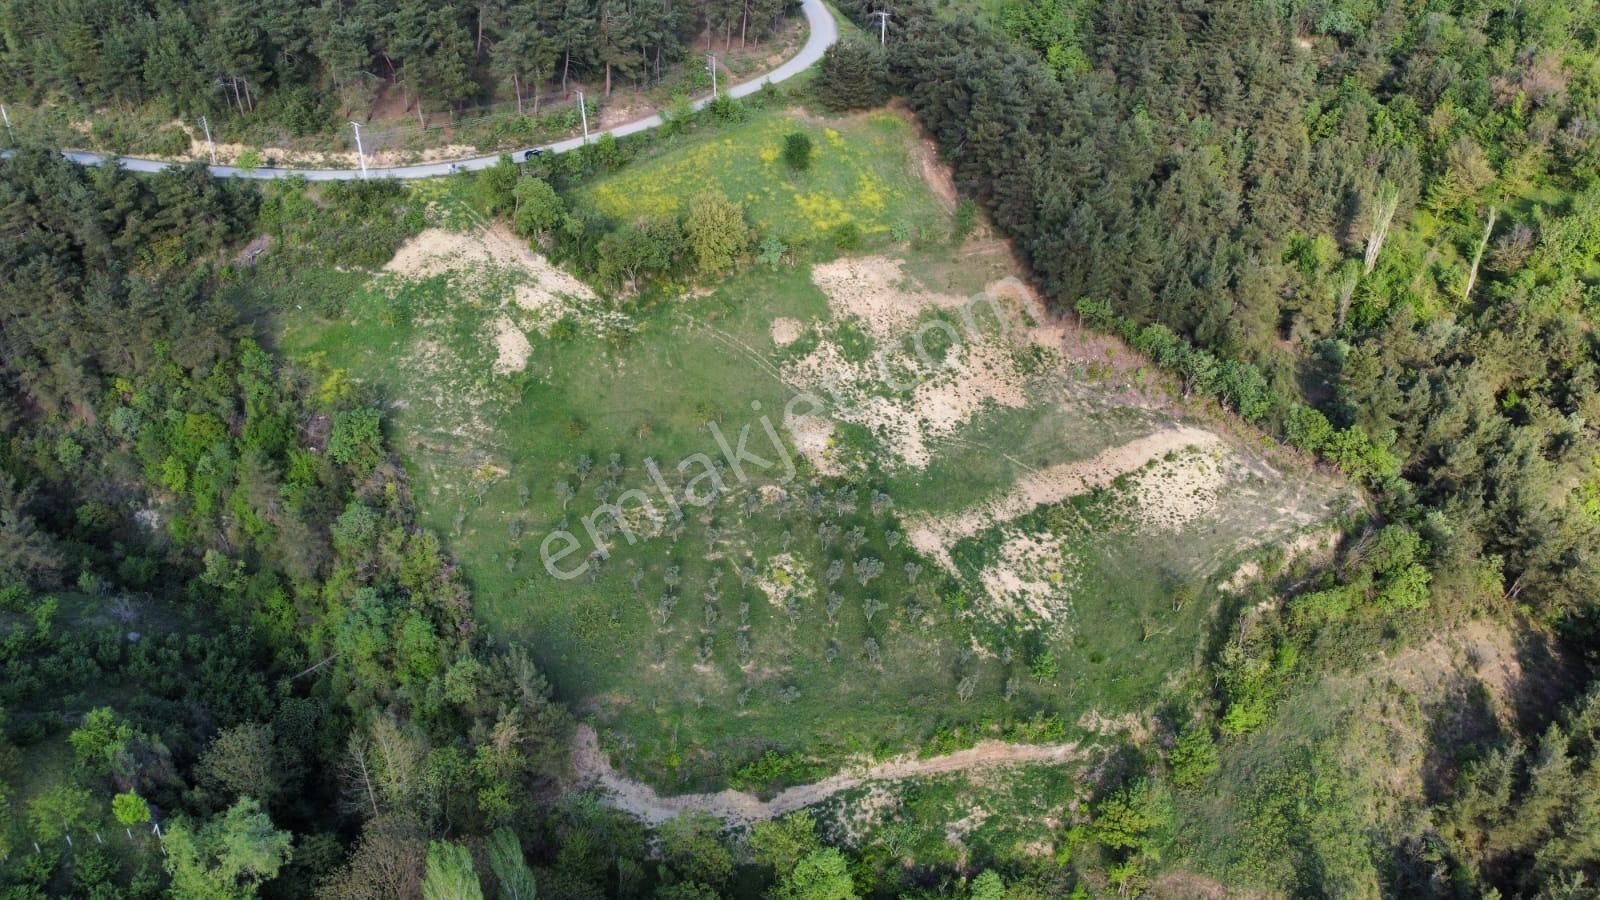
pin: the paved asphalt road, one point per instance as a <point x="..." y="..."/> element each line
<point x="824" y="32"/>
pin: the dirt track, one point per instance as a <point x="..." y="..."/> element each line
<point x="935" y="535"/>
<point x="738" y="808"/>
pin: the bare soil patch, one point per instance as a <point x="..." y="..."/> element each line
<point x="538" y="292"/>
<point x="229" y="153"/>
<point x="1178" y="489"/>
<point x="786" y="331"/>
<point x="436" y="251"/>
<point x="876" y="290"/>
<point x="903" y="394"/>
<point x="1032" y="576"/>
<point x="937" y="173"/>
<point x="511" y="347"/>
<point x="620" y="110"/>
<point x="813" y="438"/>
<point x="1194" y="886"/>
<point x="253" y="250"/>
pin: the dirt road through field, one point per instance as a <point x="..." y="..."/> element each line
<point x="739" y="808"/>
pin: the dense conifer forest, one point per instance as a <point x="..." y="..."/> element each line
<point x="289" y="62"/>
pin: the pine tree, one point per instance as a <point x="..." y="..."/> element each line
<point x="852" y="76"/>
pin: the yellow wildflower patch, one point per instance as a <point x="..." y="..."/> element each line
<point x="869" y="193"/>
<point x="822" y="211"/>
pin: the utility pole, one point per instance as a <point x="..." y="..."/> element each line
<point x="883" y="27"/>
<point x="360" y="153"/>
<point x="583" y="112"/>
<point x="209" y="145"/>
<point x="712" y="65"/>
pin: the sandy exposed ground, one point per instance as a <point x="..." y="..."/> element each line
<point x="436" y="251"/>
<point x="911" y="404"/>
<point x="874" y="289"/>
<point x="904" y="395"/>
<point x="228" y="153"/>
<point x="539" y="294"/>
<point x="786" y="331"/>
<point x="795" y="581"/>
<point x="813" y="439"/>
<point x="739" y="808"/>
<point x="511" y="347"/>
<point x="939" y="177"/>
<point x="1179" y="489"/>
<point x="1031" y="573"/>
<point x="935" y="535"/>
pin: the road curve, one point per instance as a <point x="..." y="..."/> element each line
<point x="824" y="32"/>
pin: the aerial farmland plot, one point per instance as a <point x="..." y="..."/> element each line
<point x="843" y="504"/>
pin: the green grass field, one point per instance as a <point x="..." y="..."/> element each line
<point x="788" y="616"/>
<point x="860" y="173"/>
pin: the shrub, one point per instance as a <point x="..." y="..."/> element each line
<point x="846" y="236"/>
<point x="1131" y="818"/>
<point x="644" y="248"/>
<point x="1193" y="757"/>
<point x="494" y="190"/>
<point x="727" y="109"/>
<point x="170" y="142"/>
<point x="676" y="117"/>
<point x="1307" y="428"/>
<point x="715" y="232"/>
<point x="1096" y="312"/>
<point x="797" y="151"/>
<point x="771" y="251"/>
<point x="1246" y="390"/>
<point x="130" y="809"/>
<point x="1044" y="667"/>
<point x="357" y="439"/>
<point x="782" y="843"/>
<point x="538" y="208"/>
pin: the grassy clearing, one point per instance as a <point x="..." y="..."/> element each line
<point x="860" y="174"/>
<point x="792" y="622"/>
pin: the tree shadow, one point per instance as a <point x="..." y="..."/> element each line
<point x="1462" y="725"/>
<point x="1551" y="679"/>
